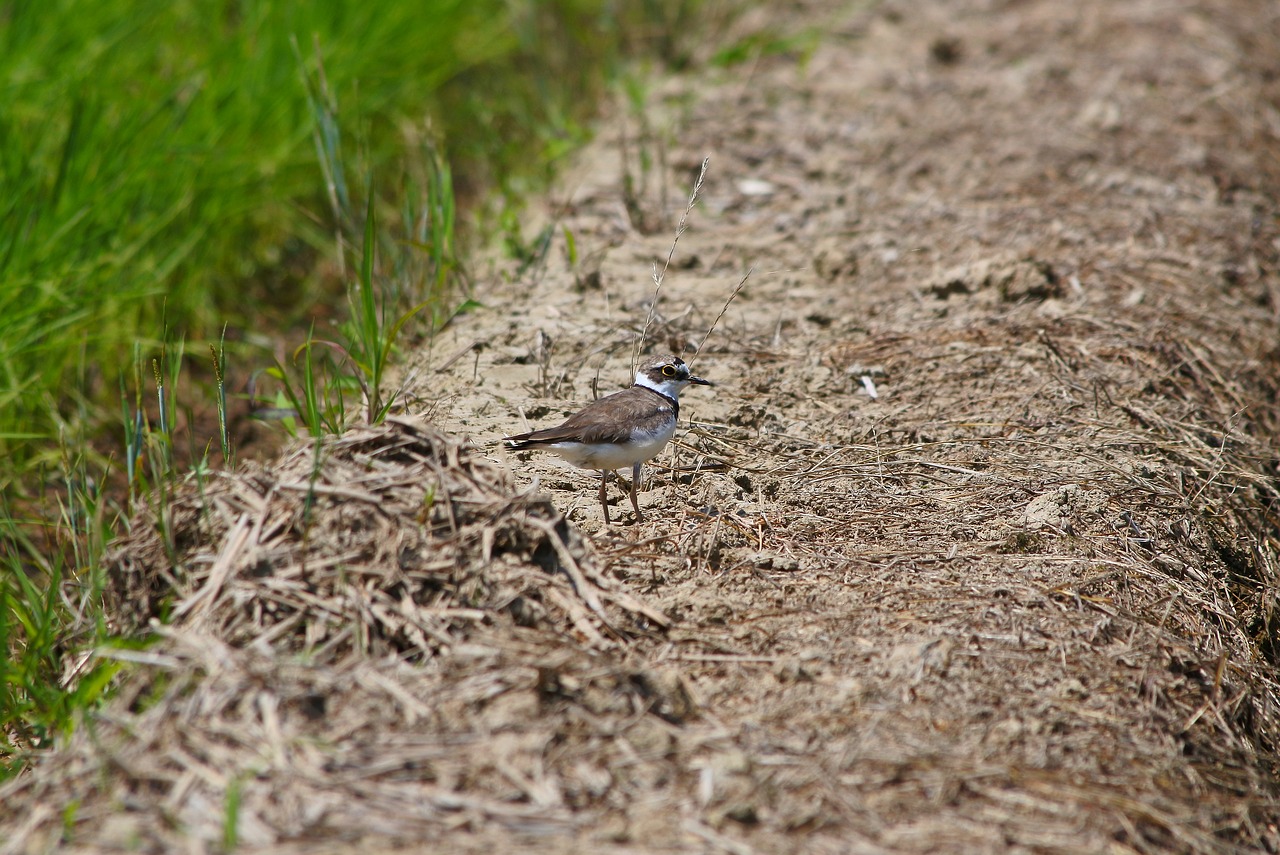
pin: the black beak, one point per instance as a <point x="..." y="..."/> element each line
<point x="698" y="381"/>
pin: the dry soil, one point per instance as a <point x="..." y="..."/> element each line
<point x="975" y="546"/>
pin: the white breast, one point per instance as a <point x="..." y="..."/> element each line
<point x="644" y="445"/>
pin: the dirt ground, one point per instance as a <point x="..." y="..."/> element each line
<point x="974" y="546"/>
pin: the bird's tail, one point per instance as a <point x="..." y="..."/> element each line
<point x="518" y="442"/>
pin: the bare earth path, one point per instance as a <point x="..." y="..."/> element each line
<point x="975" y="548"/>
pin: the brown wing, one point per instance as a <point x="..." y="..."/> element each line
<point x="608" y="419"/>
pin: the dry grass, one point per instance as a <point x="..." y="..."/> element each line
<point x="1021" y="601"/>
<point x="394" y="540"/>
<point x="342" y="623"/>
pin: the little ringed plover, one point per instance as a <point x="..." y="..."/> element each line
<point x="619" y="430"/>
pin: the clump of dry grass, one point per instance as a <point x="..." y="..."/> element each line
<point x="390" y="539"/>
<point x="374" y="636"/>
<point x="214" y="745"/>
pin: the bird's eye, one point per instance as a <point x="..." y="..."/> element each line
<point x="668" y="371"/>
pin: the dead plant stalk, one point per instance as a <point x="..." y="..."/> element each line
<point x="659" y="276"/>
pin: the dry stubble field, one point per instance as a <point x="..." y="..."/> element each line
<point x="1022" y="599"/>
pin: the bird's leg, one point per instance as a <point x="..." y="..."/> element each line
<point x="635" y="481"/>
<point x="604" y="505"/>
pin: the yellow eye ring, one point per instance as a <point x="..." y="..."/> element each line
<point x="668" y="371"/>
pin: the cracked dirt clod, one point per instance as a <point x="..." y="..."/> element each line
<point x="1062" y="507"/>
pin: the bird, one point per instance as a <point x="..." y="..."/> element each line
<point x="619" y="430"/>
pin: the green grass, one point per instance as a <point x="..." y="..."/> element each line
<point x="159" y="157"/>
<point x="183" y="186"/>
<point x="49" y="619"/>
